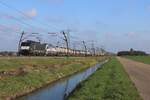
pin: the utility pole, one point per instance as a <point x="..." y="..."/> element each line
<point x="93" y="48"/>
<point x="20" y="41"/>
<point x="66" y="41"/>
<point x="85" y="48"/>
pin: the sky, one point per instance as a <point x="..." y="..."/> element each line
<point x="113" y="24"/>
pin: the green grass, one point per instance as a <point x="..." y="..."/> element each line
<point x="109" y="83"/>
<point x="143" y="59"/>
<point x="40" y="71"/>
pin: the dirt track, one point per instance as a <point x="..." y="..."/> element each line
<point x="139" y="74"/>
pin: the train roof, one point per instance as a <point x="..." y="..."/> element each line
<point x="50" y="45"/>
<point x="31" y="41"/>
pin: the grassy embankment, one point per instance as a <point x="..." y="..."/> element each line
<point x="109" y="83"/>
<point x="23" y="75"/>
<point x="143" y="59"/>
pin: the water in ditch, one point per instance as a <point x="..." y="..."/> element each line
<point x="60" y="90"/>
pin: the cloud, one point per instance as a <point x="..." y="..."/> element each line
<point x="31" y="13"/>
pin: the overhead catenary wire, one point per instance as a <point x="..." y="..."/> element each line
<point x="26" y="24"/>
<point x="22" y="22"/>
<point x="7" y="29"/>
<point x="38" y="21"/>
<point x="22" y="13"/>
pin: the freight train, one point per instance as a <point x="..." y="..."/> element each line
<point x="33" y="48"/>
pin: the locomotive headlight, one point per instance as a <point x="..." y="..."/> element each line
<point x="25" y="47"/>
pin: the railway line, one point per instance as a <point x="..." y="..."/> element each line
<point x="33" y="48"/>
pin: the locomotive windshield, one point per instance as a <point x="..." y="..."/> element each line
<point x="25" y="44"/>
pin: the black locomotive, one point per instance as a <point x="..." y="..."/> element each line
<point x="33" y="48"/>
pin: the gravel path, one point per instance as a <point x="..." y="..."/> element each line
<point x="139" y="74"/>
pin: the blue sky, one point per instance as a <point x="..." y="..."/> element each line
<point x="114" y="24"/>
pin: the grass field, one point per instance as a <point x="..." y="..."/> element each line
<point x="23" y="75"/>
<point x="144" y="59"/>
<point x="109" y="83"/>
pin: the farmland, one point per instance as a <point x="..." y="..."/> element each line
<point x="143" y="59"/>
<point x="27" y="74"/>
<point x="109" y="83"/>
